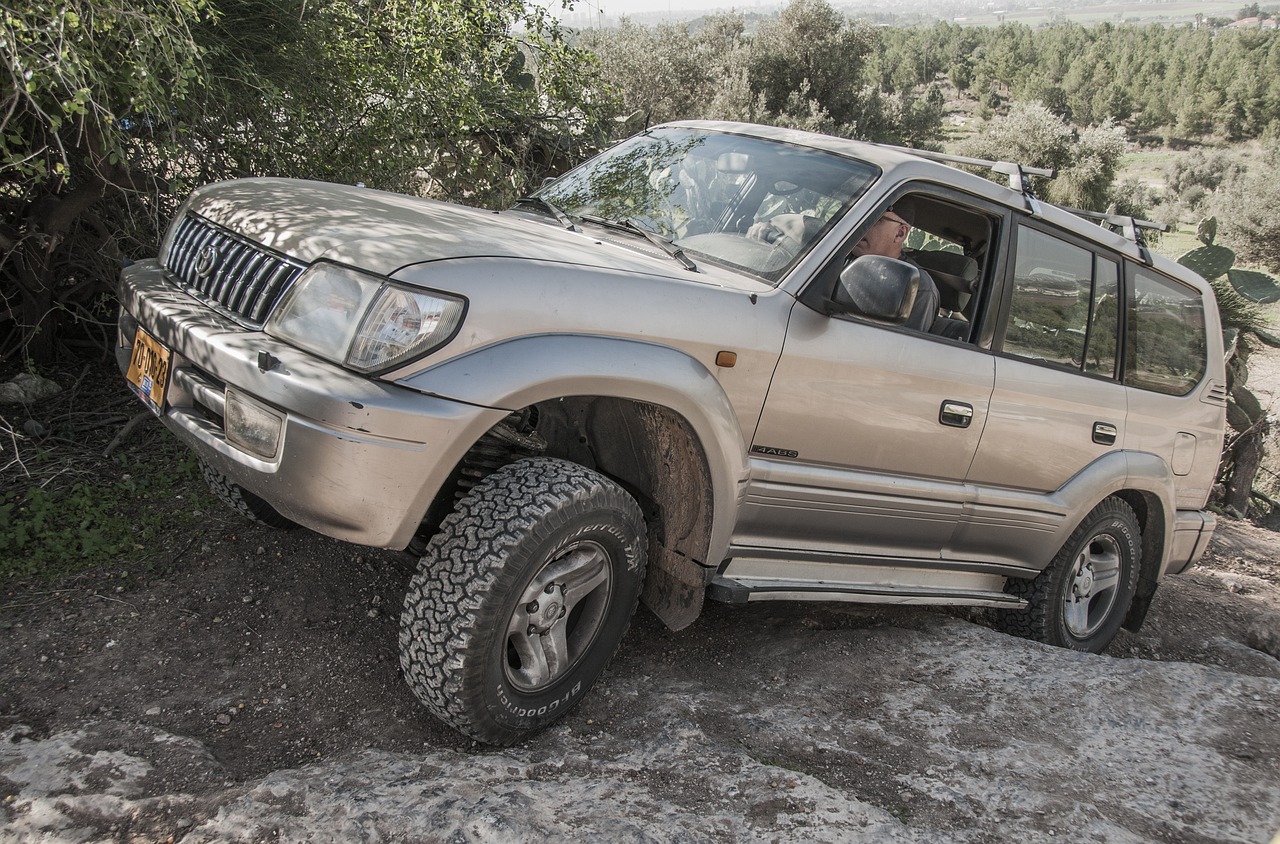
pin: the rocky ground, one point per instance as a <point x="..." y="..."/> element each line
<point x="240" y="684"/>
<point x="252" y="694"/>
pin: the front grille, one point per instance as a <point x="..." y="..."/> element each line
<point x="242" y="277"/>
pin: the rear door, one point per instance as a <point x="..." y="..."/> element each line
<point x="1058" y="405"/>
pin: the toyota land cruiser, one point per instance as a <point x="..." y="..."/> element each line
<point x="618" y="390"/>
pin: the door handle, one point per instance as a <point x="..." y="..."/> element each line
<point x="1104" y="433"/>
<point x="955" y="414"/>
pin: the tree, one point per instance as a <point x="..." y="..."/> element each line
<point x="1248" y="210"/>
<point x="810" y="68"/>
<point x="86" y="117"/>
<point x="1085" y="159"/>
<point x="114" y="110"/>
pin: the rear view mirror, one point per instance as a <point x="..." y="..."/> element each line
<point x="733" y="162"/>
<point x="879" y="288"/>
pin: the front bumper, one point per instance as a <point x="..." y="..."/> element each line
<point x="359" y="459"/>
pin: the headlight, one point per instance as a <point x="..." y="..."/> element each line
<point x="362" y="321"/>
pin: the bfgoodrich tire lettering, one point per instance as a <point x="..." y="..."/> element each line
<point x="522" y="597"/>
<point x="1080" y="600"/>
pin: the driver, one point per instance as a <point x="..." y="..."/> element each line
<point x="887" y="237"/>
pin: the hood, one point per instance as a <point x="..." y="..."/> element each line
<point x="383" y="232"/>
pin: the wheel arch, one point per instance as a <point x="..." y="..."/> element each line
<point x="1145" y="482"/>
<point x="653" y="418"/>
<point x="1154" y="524"/>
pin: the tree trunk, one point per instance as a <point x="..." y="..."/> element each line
<point x="1246" y="455"/>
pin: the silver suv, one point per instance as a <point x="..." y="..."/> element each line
<point x="671" y="375"/>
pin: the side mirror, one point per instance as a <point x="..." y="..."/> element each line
<point x="879" y="288"/>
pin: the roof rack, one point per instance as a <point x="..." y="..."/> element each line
<point x="1018" y="174"/>
<point x="1019" y="180"/>
<point x="1130" y="227"/>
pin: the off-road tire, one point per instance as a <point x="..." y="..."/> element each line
<point x="477" y="645"/>
<point x="242" y="501"/>
<point x="1108" y="539"/>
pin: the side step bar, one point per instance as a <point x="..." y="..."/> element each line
<point x="745" y="590"/>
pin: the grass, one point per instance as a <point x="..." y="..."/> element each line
<point x="67" y="508"/>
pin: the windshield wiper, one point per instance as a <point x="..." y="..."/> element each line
<point x="631" y="224"/>
<point x="538" y="202"/>
<point x="666" y="244"/>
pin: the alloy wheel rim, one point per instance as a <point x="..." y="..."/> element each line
<point x="1092" y="586"/>
<point x="558" y="616"/>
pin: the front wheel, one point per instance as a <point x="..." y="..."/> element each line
<point x="522" y="597"/>
<point x="1080" y="600"/>
<point x="242" y="501"/>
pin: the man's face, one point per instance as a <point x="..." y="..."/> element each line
<point x="884" y="238"/>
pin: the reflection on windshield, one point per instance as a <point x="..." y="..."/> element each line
<point x="706" y="191"/>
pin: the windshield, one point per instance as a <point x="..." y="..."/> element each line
<point x="750" y="204"/>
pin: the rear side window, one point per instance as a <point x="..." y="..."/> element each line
<point x="1166" y="342"/>
<point x="1064" y="308"/>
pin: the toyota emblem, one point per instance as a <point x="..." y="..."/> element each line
<point x="205" y="260"/>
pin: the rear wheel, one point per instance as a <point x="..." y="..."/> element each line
<point x="1080" y="600"/>
<point x="522" y="597"/>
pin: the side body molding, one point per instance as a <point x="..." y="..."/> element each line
<point x="1012" y="526"/>
<point x="517" y="373"/>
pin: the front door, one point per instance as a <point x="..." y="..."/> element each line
<point x="865" y="440"/>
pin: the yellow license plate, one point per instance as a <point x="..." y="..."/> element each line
<point x="148" y="373"/>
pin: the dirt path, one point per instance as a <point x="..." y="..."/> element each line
<point x="253" y="695"/>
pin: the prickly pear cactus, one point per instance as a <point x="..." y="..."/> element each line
<point x="1207" y="230"/>
<point x="1210" y="261"/>
<point x="1255" y="286"/>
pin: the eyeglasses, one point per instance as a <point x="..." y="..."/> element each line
<point x="897" y="221"/>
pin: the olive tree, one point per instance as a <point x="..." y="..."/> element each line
<point x="1085" y="159"/>
<point x="1247" y="206"/>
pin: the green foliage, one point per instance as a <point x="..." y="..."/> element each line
<point x="1248" y="210"/>
<point x="1180" y="82"/>
<point x="810" y="68"/>
<point x="89" y="83"/>
<point x="1235" y="310"/>
<point x="113" y="111"/>
<point x="1085" y="159"/>
<point x="1200" y="172"/>
<point x="1213" y="263"/>
<point x="470" y="101"/>
<point x="812" y="53"/>
<point x="670" y="72"/>
<point x="47" y="532"/>
<point x="87" y="110"/>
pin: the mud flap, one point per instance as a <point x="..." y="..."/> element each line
<point x="674" y="587"/>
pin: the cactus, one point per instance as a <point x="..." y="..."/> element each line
<point x="1210" y="261"/>
<point x="1213" y="262"/>
<point x="1248" y="420"/>
<point x="1255" y="286"/>
<point x="1207" y="230"/>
